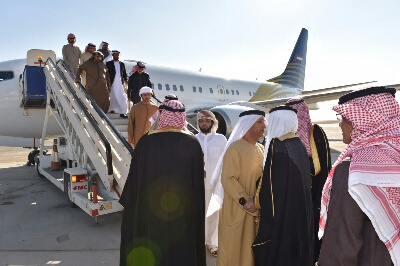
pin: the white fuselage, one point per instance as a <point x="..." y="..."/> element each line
<point x="195" y="89"/>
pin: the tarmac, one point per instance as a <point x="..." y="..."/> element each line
<point x="38" y="226"/>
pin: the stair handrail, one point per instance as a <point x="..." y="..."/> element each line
<point x="99" y="110"/>
<point x="88" y="116"/>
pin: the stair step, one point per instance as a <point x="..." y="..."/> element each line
<point x="119" y="121"/>
<point x="121" y="128"/>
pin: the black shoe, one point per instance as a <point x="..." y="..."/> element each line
<point x="123" y="116"/>
<point x="111" y="112"/>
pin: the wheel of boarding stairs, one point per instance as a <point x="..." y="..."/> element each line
<point x="71" y="204"/>
<point x="32" y="156"/>
<point x="37" y="165"/>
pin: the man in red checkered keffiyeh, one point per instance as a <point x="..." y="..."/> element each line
<point x="172" y="116"/>
<point x="314" y="139"/>
<point x="371" y="127"/>
<point x="163" y="196"/>
<point x="303" y="116"/>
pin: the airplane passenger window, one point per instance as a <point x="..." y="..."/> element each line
<point x="227" y="92"/>
<point x="152" y="86"/>
<point x="237" y="92"/>
<point x="233" y="92"/>
<point x="250" y="93"/>
<point x="174" y="87"/>
<point x="211" y="90"/>
<point x="200" y="90"/>
<point x="159" y="86"/>
<point x="194" y="89"/>
<point x="181" y="87"/>
<point x="221" y="91"/>
<point x="167" y="87"/>
<point x="4" y="75"/>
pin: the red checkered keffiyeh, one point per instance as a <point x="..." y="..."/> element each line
<point x="172" y="119"/>
<point x="374" y="174"/>
<point x="303" y="116"/>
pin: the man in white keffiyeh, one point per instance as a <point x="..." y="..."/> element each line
<point x="234" y="178"/>
<point x="285" y="235"/>
<point x="360" y="208"/>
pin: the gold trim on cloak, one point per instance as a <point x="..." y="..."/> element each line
<point x="257" y="197"/>
<point x="288" y="136"/>
<point x="314" y="153"/>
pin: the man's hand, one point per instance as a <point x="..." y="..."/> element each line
<point x="250" y="206"/>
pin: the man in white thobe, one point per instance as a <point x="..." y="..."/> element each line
<point x="118" y="76"/>
<point x="213" y="145"/>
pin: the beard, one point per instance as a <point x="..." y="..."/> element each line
<point x="206" y="130"/>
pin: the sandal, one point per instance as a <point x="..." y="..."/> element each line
<point x="213" y="250"/>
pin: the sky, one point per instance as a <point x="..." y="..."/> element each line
<point x="348" y="41"/>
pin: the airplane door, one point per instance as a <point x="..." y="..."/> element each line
<point x="221" y="94"/>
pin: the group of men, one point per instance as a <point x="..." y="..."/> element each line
<point x="254" y="205"/>
<point x="104" y="76"/>
<point x="246" y="203"/>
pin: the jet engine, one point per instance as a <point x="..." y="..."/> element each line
<point x="227" y="116"/>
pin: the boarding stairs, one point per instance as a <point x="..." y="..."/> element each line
<point x="94" y="142"/>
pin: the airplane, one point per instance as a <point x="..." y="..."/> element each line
<point x="22" y="111"/>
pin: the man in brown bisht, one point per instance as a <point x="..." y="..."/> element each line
<point x="97" y="80"/>
<point x="139" y="117"/>
<point x="319" y="155"/>
<point x="71" y="53"/>
<point x="360" y="209"/>
<point x="234" y="179"/>
<point x="163" y="197"/>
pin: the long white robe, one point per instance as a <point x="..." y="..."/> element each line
<point x="118" y="99"/>
<point x="213" y="145"/>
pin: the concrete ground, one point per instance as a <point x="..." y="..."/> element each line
<point x="38" y="227"/>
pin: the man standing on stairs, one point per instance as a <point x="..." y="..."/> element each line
<point x="118" y="76"/>
<point x="89" y="50"/>
<point x="103" y="48"/>
<point x="139" y="117"/>
<point x="138" y="80"/>
<point x="97" y="80"/>
<point x="71" y="53"/>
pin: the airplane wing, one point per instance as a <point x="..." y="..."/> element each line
<point x="309" y="99"/>
<point x="315" y="96"/>
<point x="336" y="88"/>
<point x="396" y="86"/>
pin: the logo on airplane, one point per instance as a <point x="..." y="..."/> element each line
<point x="297" y="57"/>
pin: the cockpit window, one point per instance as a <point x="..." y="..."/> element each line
<point x="4" y="75"/>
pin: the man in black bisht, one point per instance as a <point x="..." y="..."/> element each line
<point x="137" y="80"/>
<point x="317" y="146"/>
<point x="163" y="197"/>
<point x="285" y="235"/>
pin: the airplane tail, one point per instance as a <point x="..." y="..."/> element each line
<point x="293" y="76"/>
<point x="291" y="81"/>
